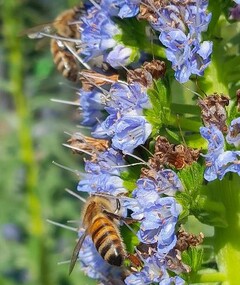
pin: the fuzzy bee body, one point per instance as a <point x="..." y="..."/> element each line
<point x="100" y="223"/>
<point x="62" y="57"/>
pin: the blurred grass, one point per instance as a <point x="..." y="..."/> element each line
<point x="31" y="134"/>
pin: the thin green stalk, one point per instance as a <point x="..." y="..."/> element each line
<point x="187" y="124"/>
<point x="209" y="278"/>
<point x="227" y="240"/>
<point x="12" y="21"/>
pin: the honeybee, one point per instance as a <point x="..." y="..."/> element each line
<point x="62" y="57"/>
<point x="64" y="33"/>
<point x="100" y="221"/>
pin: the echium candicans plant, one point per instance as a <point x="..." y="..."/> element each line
<point x="160" y="102"/>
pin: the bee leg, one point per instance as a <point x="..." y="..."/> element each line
<point x="127" y="220"/>
<point x="136" y="262"/>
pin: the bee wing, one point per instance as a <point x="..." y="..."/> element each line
<point x="76" y="252"/>
<point x="36" y="32"/>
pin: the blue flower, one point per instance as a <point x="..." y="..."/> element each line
<point x="126" y="98"/>
<point x="229" y="161"/>
<point x="121" y="8"/>
<point x="130" y="132"/>
<point x="92" y="108"/>
<point x="119" y="56"/>
<point x="106" y="162"/>
<point x="235" y="12"/>
<point x="181" y="27"/>
<point x="233" y="136"/>
<point x="98" y="32"/>
<point x="153" y="272"/>
<point x="99" y="37"/>
<point x="215" y="139"/>
<point x="125" y="125"/>
<point x="168" y="182"/>
<point x="158" y="220"/>
<point x="218" y="161"/>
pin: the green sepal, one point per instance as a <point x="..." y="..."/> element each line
<point x="192" y="257"/>
<point x="160" y="112"/>
<point x="129" y="180"/>
<point x="196" y="200"/>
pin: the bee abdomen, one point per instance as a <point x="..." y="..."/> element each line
<point x="64" y="62"/>
<point x="107" y="241"/>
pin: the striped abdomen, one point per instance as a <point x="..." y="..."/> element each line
<point x="64" y="61"/>
<point x="107" y="240"/>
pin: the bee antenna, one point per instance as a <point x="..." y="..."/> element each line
<point x="62" y="225"/>
<point x="75" y="195"/>
<point x="65" y="102"/>
<point x="67" y="168"/>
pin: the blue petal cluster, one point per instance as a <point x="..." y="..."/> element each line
<point x="121" y="8"/>
<point x="158" y="215"/>
<point x="219" y="161"/>
<point x="126" y="125"/>
<point x="92" y="108"/>
<point x="103" y="175"/>
<point x="153" y="271"/>
<point x="99" y="37"/>
<point x="180" y="26"/>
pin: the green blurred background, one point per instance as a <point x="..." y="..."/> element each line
<point x="31" y="134"/>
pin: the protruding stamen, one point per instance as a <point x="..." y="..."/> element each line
<point x="78" y="149"/>
<point x="77" y="56"/>
<point x="75" y="195"/>
<point x="78" y="173"/>
<point x="62" y="225"/>
<point x="65" y="102"/>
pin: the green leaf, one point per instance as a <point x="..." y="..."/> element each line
<point x="160" y="112"/>
<point x="193" y="257"/>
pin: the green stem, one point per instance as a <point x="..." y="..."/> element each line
<point x="12" y="25"/>
<point x="209" y="278"/>
<point x="187" y="124"/>
<point x="153" y="49"/>
<point x="227" y="240"/>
